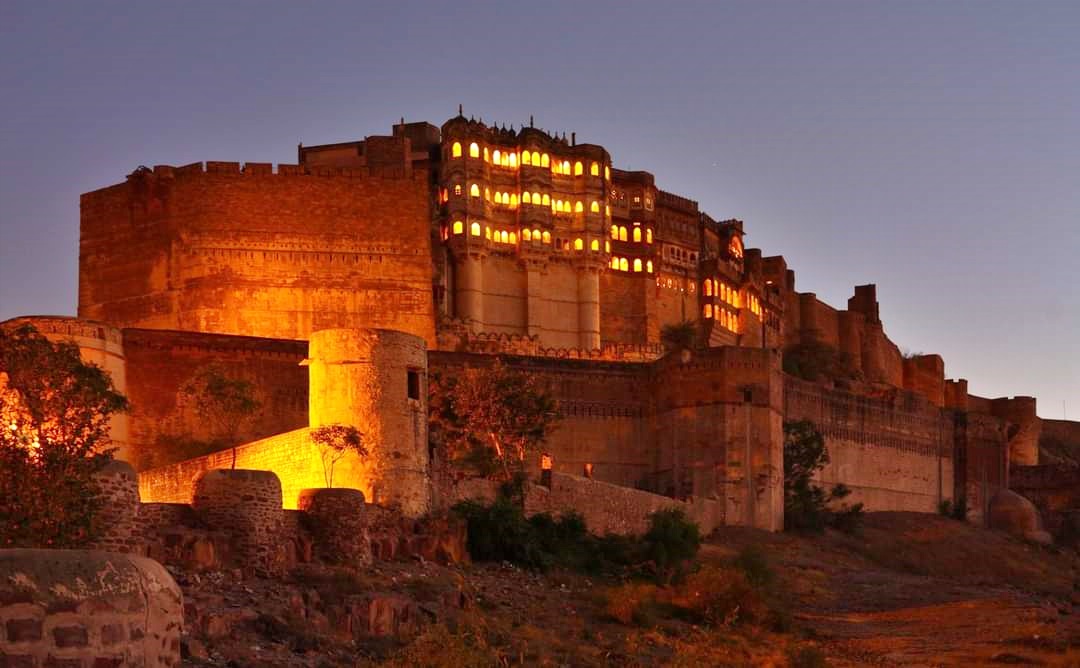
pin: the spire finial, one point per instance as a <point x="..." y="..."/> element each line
<point x="460" y="110"/>
<point x="530" y="120"/>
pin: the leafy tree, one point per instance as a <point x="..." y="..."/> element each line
<point x="671" y="542"/>
<point x="679" y="336"/>
<point x="334" y="442"/>
<point x="224" y="407"/>
<point x="54" y="426"/>
<point x="491" y="418"/>
<point x="807" y="504"/>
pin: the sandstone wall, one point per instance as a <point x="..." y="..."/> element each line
<point x="80" y="608"/>
<point x="895" y="453"/>
<point x="1055" y="491"/>
<point x="253" y="252"/>
<point x="162" y="361"/>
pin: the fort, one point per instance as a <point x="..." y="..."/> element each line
<point x="338" y="284"/>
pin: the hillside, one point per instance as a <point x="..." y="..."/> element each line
<point x="911" y="589"/>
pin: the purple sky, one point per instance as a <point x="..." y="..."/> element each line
<point x="931" y="148"/>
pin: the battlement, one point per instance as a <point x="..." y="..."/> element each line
<point x="251" y="169"/>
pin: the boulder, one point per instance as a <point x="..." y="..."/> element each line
<point x="1015" y="515"/>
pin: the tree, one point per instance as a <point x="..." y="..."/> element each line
<point x="492" y="418"/>
<point x="54" y="413"/>
<point x="807" y="504"/>
<point x="334" y="442"/>
<point x="679" y="336"/>
<point x="225" y="406"/>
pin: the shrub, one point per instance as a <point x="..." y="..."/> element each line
<point x="720" y="597"/>
<point x="806" y="504"/>
<point x="628" y="603"/>
<point x="754" y="565"/>
<point x="671" y="541"/>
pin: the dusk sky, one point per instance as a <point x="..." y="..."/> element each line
<point x="930" y="148"/>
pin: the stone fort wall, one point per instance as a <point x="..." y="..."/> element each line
<point x="250" y="251"/>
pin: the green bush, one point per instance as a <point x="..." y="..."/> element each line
<point x="752" y="562"/>
<point x="671" y="541"/>
<point x="807" y="505"/>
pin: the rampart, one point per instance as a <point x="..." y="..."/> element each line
<point x="894" y="452"/>
<point x="224" y="249"/>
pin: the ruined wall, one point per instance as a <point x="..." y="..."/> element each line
<point x="257" y="253"/>
<point x="161" y="362"/>
<point x="895" y="453"/>
<point x="1055" y="491"/>
<point x="84" y="608"/>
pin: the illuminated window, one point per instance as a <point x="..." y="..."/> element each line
<point x="622" y="233"/>
<point x="526" y="235"/>
<point x="513" y="237"/>
<point x="547" y="237"/>
<point x="566" y="167"/>
<point x="474" y="190"/>
<point x="474" y="229"/>
<point x="487" y="233"/>
<point x="648" y="235"/>
<point x="607" y="246"/>
<point x="579" y="169"/>
<point x="474" y="150"/>
<point x="623" y="264"/>
<point x="637" y="264"/>
<point x="496" y="157"/>
<point x="594" y="169"/>
<point x="579" y="244"/>
<point x="544" y="160"/>
<point x="536" y="235"/>
<point x="498" y="196"/>
<point x="594" y="207"/>
<point x="513" y="201"/>
<point x="456" y="150"/>
<point x="505" y="236"/>
<point x="459" y="227"/>
<point x="648" y="266"/>
<point x="637" y="234"/>
<point x="579" y="207"/>
<point x="594" y="245"/>
<point x="526" y="158"/>
<point x="536" y="198"/>
<point x="536" y="159"/>
<point x="615" y="232"/>
<point x="457" y="189"/>
<point x="547" y="199"/>
<point x="607" y="172"/>
<point x="708" y="288"/>
<point x="607" y="210"/>
<point x="614" y="263"/>
<point x="487" y="158"/>
<point x="708" y="310"/>
<point x="513" y="159"/>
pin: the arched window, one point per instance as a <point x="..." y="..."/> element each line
<point x="614" y="263"/>
<point x="513" y="237"/>
<point x="579" y="169"/>
<point x="459" y="227"/>
<point x="637" y="235"/>
<point x="536" y="198"/>
<point x="526" y="197"/>
<point x="498" y="196"/>
<point x="607" y="246"/>
<point x="513" y="160"/>
<point x="526" y="158"/>
<point x="622" y="233"/>
<point x="536" y="234"/>
<point x="487" y="194"/>
<point x="648" y="235"/>
<point x="496" y="157"/>
<point x="607" y="172"/>
<point x="648" y="266"/>
<point x="513" y="201"/>
<point x="615" y="232"/>
<point x="455" y="150"/>
<point x="547" y="199"/>
<point x="526" y="234"/>
<point x="594" y="245"/>
<point x="474" y="150"/>
<point x="566" y="167"/>
<point x="544" y="160"/>
<point x="487" y="233"/>
<point x="708" y="310"/>
<point x="547" y="237"/>
<point x="505" y="236"/>
<point x="579" y="244"/>
<point x="708" y="288"/>
<point x="474" y="229"/>
<point x="594" y="207"/>
<point x="474" y="190"/>
<point x="487" y="158"/>
<point x="536" y="158"/>
<point x="607" y="210"/>
<point x="637" y="264"/>
<point x="457" y="189"/>
<point x="623" y="264"/>
<point x="579" y="207"/>
<point x="594" y="169"/>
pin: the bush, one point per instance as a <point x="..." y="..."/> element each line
<point x="754" y="565"/>
<point x="671" y="541"/>
<point x="630" y="603"/>
<point x="807" y="504"/>
<point x="720" y="597"/>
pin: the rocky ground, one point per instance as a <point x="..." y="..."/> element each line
<point x="910" y="590"/>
